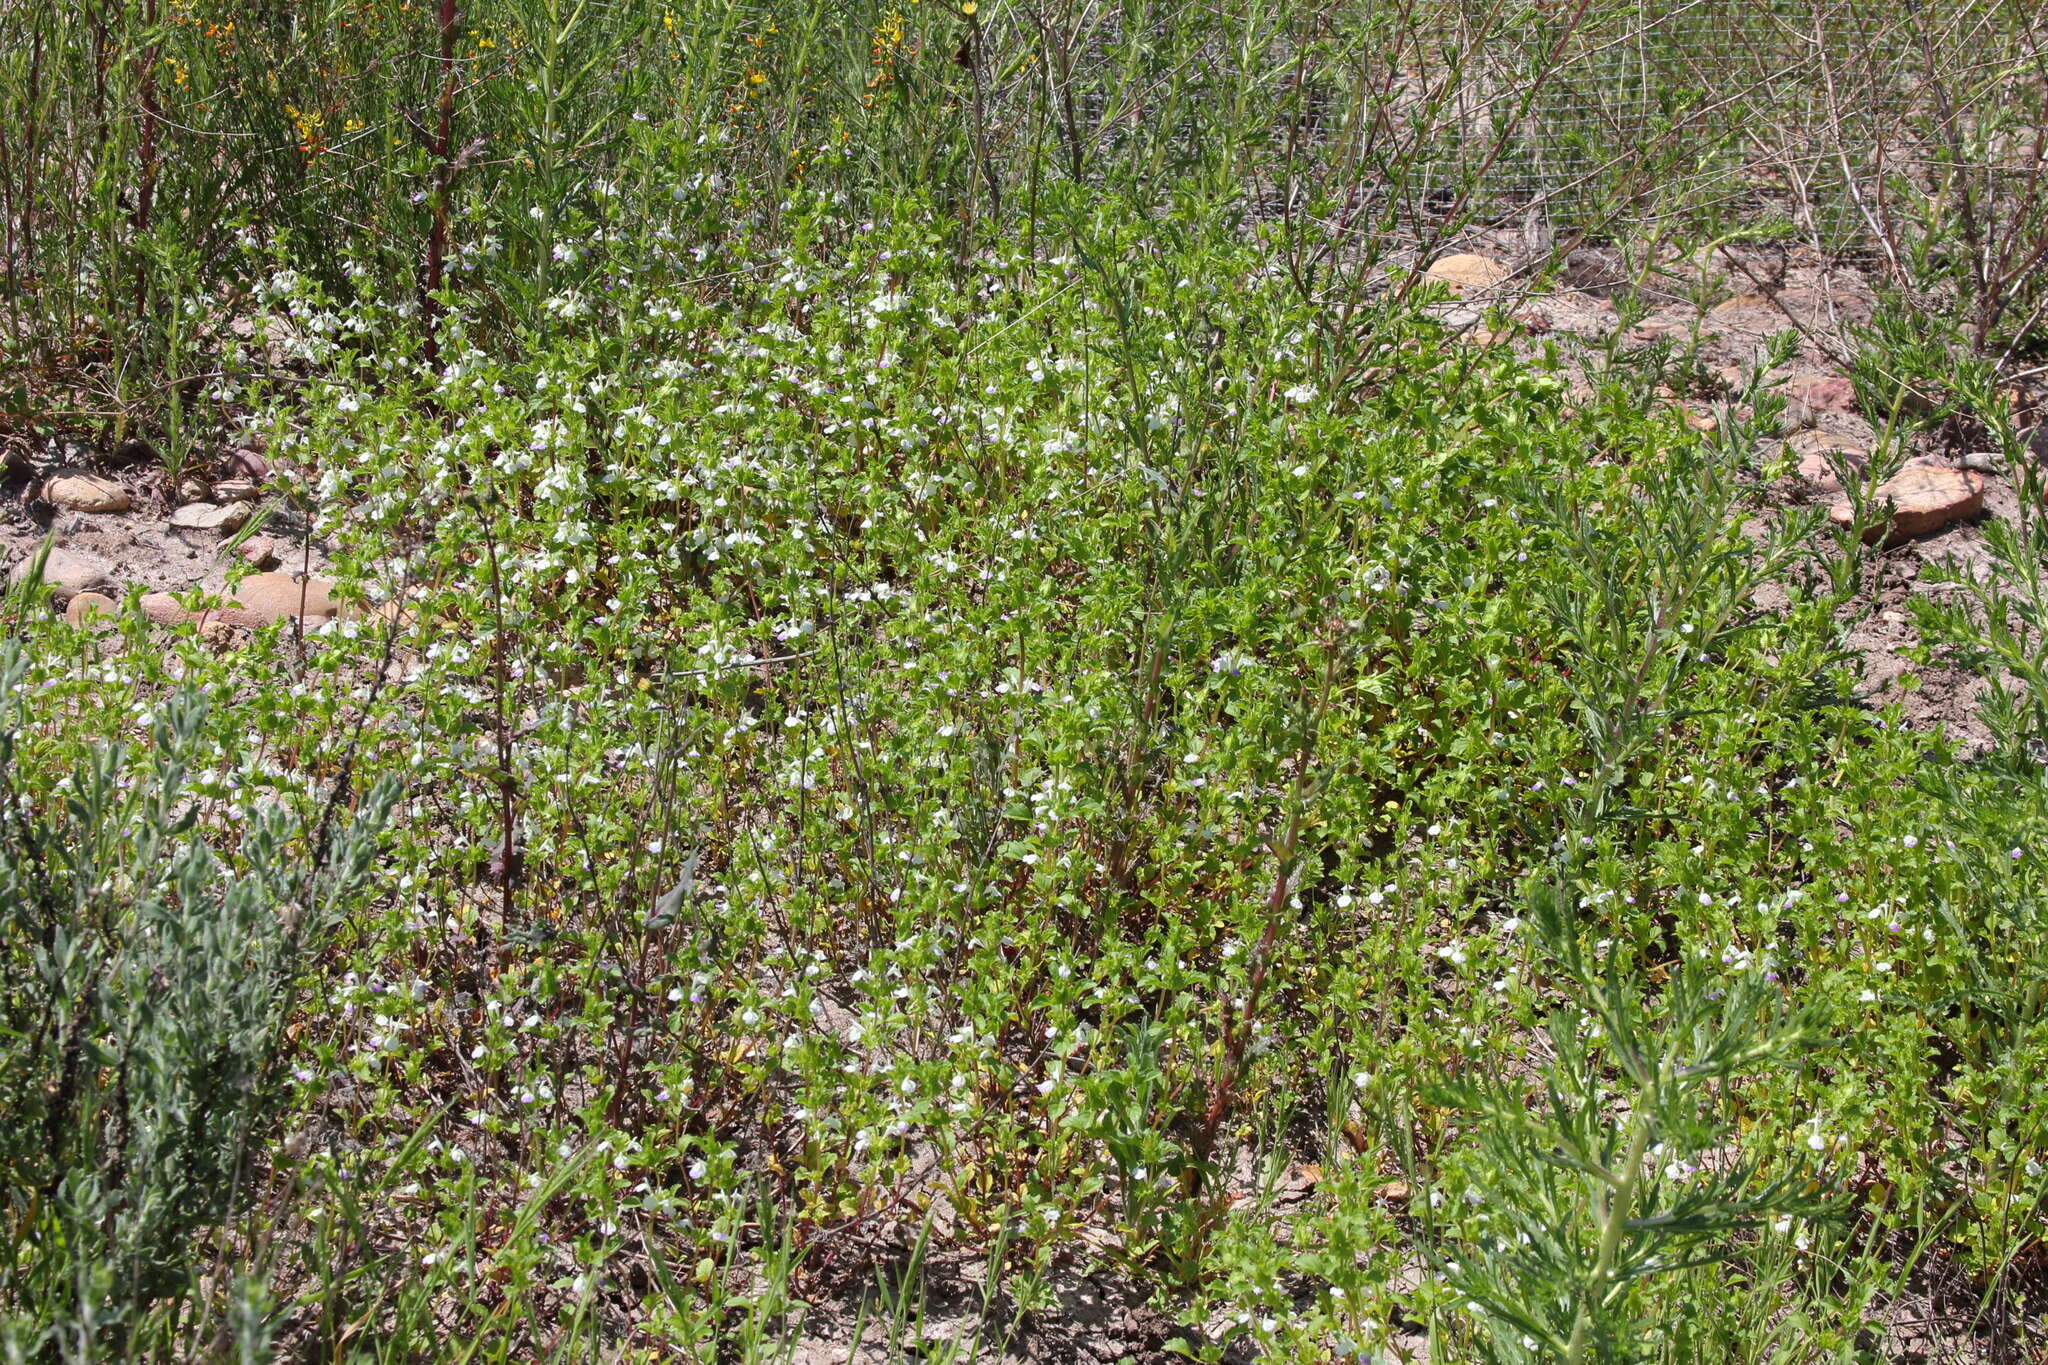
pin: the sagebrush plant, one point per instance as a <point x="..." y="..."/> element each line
<point x="147" y="987"/>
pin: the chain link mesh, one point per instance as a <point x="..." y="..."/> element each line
<point x="1610" y="111"/>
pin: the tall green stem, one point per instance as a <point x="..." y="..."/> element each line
<point x="1616" y="1205"/>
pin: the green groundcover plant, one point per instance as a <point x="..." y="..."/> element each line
<point x="959" y="682"/>
<point x="1064" y="761"/>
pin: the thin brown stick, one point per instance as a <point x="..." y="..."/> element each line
<point x="444" y="176"/>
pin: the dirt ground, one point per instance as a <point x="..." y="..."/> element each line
<point x="139" y="545"/>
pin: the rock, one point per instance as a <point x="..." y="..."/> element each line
<point x="206" y="516"/>
<point x="1833" y="393"/>
<point x="256" y="601"/>
<point x="260" y="551"/>
<point x="235" y="490"/>
<point x="1820" y="453"/>
<point x="1466" y="272"/>
<point x="67" y="574"/>
<point x="245" y="463"/>
<point x="134" y="450"/>
<point x="1984" y="462"/>
<point x="1806" y="400"/>
<point x="1741" y="303"/>
<point x="193" y="490"/>
<point x="83" y="492"/>
<point x="1923" y="498"/>
<point x="277" y="595"/>
<point x="164" y="609"/>
<point x="92" y="607"/>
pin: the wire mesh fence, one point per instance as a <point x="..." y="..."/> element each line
<point x="1614" y="113"/>
<point x="137" y="157"/>
<point x="1571" y="114"/>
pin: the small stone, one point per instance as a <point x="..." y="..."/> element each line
<point x="1835" y="393"/>
<point x="1923" y="498"/>
<point x="1984" y="462"/>
<point x="1820" y="454"/>
<point x="83" y="492"/>
<point x="246" y="463"/>
<point x="273" y="596"/>
<point x="1741" y="303"/>
<point x="206" y="516"/>
<point x="67" y="574"/>
<point x="193" y="490"/>
<point x="235" y="490"/>
<point x="256" y="601"/>
<point x="1466" y="272"/>
<point x="163" y="609"/>
<point x="1806" y="401"/>
<point x="92" y="607"/>
<point x="260" y="551"/>
<point x="134" y="450"/>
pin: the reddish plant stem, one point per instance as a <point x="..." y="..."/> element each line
<point x="145" y="190"/>
<point x="1238" y="1024"/>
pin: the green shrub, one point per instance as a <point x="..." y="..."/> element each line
<point x="145" y="983"/>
